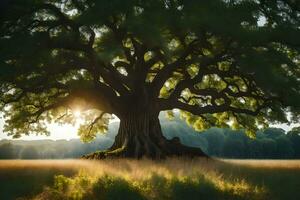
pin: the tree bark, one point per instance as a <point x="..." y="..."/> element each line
<point x="140" y="135"/>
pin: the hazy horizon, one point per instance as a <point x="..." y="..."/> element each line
<point x="68" y="132"/>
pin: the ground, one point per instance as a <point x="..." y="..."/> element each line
<point x="145" y="179"/>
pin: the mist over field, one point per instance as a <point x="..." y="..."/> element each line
<point x="178" y="179"/>
<point x="171" y="179"/>
<point x="272" y="143"/>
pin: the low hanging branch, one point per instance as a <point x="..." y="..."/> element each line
<point x="134" y="60"/>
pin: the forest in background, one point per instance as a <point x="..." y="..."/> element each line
<point x="272" y="143"/>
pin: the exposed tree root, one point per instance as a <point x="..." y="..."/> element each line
<point x="140" y="136"/>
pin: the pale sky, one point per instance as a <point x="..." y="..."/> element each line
<point x="58" y="132"/>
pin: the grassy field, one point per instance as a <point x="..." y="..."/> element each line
<point x="130" y="179"/>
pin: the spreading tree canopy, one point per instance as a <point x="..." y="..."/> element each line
<point x="224" y="63"/>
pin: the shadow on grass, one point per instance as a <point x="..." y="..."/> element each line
<point x="280" y="182"/>
<point x="108" y="187"/>
<point x="16" y="183"/>
<point x="176" y="179"/>
<point x="197" y="188"/>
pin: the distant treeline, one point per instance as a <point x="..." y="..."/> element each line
<point x="272" y="143"/>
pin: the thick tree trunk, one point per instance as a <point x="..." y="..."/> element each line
<point x="140" y="135"/>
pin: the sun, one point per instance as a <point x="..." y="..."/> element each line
<point x="77" y="114"/>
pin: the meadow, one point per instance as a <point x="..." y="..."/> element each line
<point x="145" y="179"/>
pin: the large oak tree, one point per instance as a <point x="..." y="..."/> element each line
<point x="225" y="63"/>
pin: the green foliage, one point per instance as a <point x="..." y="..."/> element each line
<point x="93" y="124"/>
<point x="144" y="179"/>
<point x="109" y="187"/>
<point x="170" y="115"/>
<point x="153" y="186"/>
<point x="213" y="60"/>
<point x="71" y="188"/>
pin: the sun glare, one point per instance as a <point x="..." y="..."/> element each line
<point x="78" y="117"/>
<point x="77" y="113"/>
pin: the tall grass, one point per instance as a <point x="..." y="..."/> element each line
<point x="170" y="179"/>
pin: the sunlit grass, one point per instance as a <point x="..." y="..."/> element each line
<point x="145" y="179"/>
<point x="273" y="164"/>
